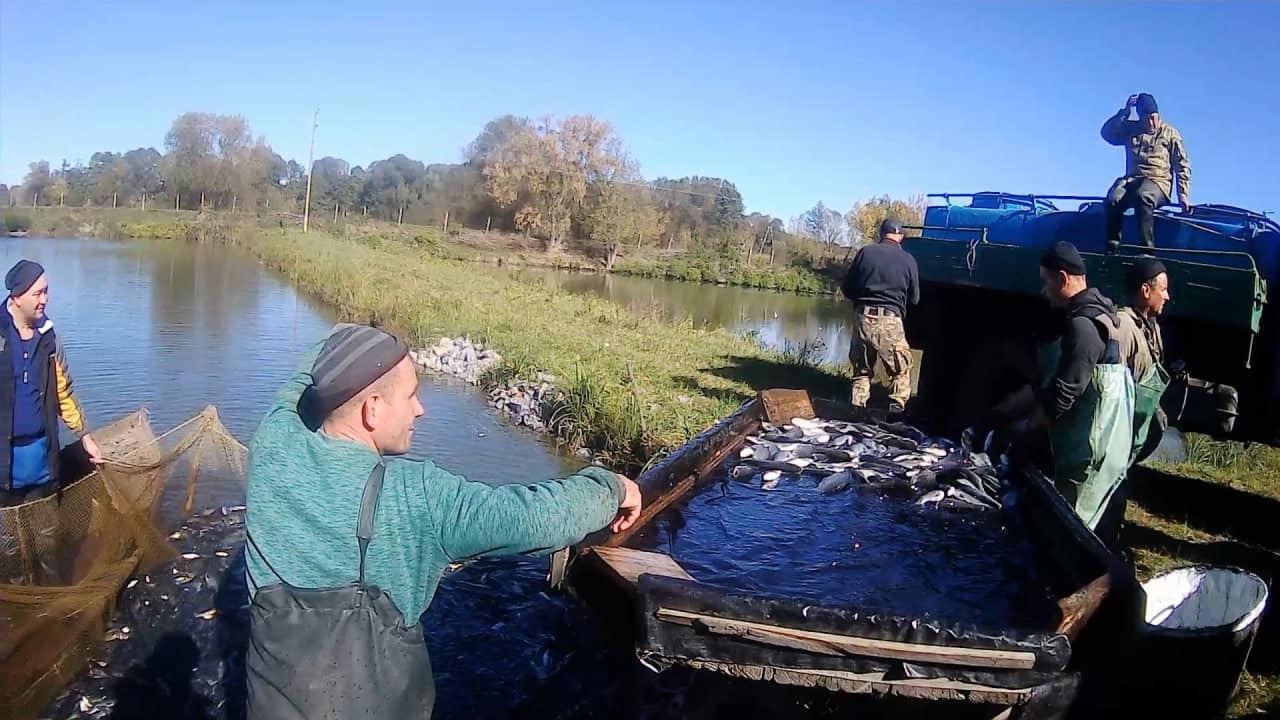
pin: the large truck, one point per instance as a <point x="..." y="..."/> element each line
<point x="982" y="312"/>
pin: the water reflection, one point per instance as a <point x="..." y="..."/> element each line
<point x="776" y="318"/>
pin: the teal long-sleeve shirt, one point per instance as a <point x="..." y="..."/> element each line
<point x="303" y="499"/>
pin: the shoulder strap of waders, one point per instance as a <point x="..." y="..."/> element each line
<point x="368" y="508"/>
<point x="364" y="524"/>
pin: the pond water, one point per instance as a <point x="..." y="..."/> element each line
<point x="775" y="319"/>
<point x="174" y="327"/>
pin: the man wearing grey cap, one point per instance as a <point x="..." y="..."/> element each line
<point x="321" y="465"/>
<point x="39" y="395"/>
<point x="882" y="281"/>
<point x="1153" y="152"/>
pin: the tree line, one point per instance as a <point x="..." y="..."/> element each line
<point x="560" y="180"/>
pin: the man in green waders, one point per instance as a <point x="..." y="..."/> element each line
<point x="1148" y="285"/>
<point x="1142" y="346"/>
<point x="1087" y="397"/>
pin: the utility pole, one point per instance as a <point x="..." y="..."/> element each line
<point x="311" y="155"/>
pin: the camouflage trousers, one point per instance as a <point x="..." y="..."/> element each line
<point x="879" y="336"/>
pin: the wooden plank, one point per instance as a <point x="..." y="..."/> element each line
<point x="869" y="683"/>
<point x="628" y="563"/>
<point x="842" y="645"/>
<point x="706" y="467"/>
<point x="1078" y="607"/>
<point x="780" y="405"/>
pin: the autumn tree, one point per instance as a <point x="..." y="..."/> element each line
<point x="865" y="217"/>
<point x="699" y="208"/>
<point x="496" y="136"/>
<point x="545" y="171"/>
<point x="35" y="185"/>
<point x="623" y="210"/>
<point x="216" y="158"/>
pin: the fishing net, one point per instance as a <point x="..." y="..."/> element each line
<point x="65" y="558"/>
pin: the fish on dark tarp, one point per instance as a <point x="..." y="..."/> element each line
<point x="893" y="458"/>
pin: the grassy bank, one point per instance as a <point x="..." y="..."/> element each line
<point x="101" y="222"/>
<point x="634" y="386"/>
<point x="709" y="269"/>
<point x="816" y="274"/>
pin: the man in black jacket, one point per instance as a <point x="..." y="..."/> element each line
<point x="40" y="392"/>
<point x="1087" y="399"/>
<point x="882" y="282"/>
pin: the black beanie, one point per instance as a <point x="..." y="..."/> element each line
<point x="1147" y="104"/>
<point x="22" y="276"/>
<point x="1063" y="256"/>
<point x="1144" y="269"/>
<point x="351" y="360"/>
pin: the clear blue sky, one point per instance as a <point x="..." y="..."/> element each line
<point x="819" y="101"/>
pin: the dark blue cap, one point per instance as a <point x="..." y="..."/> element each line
<point x="22" y="276"/>
<point x="1147" y="104"/>
<point x="890" y="226"/>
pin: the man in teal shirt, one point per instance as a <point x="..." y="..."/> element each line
<point x="351" y="405"/>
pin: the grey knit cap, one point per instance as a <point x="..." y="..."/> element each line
<point x="351" y="359"/>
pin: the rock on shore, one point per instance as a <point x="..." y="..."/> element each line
<point x="526" y="403"/>
<point x="458" y="357"/>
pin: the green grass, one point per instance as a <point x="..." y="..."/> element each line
<point x="759" y="275"/>
<point x="685" y="377"/>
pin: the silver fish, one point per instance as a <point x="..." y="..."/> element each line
<point x="836" y="482"/>
<point x="933" y="496"/>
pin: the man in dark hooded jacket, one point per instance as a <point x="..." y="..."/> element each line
<point x="1087" y="397"/>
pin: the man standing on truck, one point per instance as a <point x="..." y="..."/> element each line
<point x="1153" y="151"/>
<point x="1087" y="397"/>
<point x="881" y="283"/>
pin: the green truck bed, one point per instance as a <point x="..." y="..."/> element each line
<point x="1224" y="295"/>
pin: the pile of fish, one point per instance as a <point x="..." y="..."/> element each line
<point x="887" y="457"/>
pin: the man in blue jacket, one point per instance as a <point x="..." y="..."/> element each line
<point x="40" y="392"/>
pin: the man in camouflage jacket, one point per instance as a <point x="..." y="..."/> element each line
<point x="1153" y="151"/>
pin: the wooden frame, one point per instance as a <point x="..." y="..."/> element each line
<point x="604" y="558"/>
